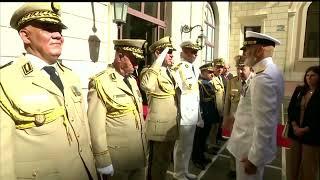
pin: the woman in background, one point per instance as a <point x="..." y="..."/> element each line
<point x="304" y="127"/>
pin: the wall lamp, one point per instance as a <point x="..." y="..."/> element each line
<point x="188" y="29"/>
<point x="120" y="14"/>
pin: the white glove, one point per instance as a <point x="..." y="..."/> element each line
<point x="106" y="170"/>
<point x="158" y="62"/>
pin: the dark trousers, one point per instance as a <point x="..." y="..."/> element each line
<point x="199" y="143"/>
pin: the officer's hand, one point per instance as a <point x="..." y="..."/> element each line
<point x="249" y="167"/>
<point x="200" y="123"/>
<point x="158" y="62"/>
<point x="106" y="170"/>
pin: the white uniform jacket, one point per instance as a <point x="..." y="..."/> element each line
<point x="187" y="80"/>
<point x="255" y="127"/>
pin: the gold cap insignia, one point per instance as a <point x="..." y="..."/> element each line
<point x="39" y="119"/>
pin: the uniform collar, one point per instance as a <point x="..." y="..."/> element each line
<point x="186" y="62"/>
<point x="249" y="77"/>
<point x="37" y="62"/>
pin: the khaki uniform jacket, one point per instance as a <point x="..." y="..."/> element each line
<point x="162" y="118"/>
<point x="43" y="134"/>
<point x="232" y="97"/>
<point x="116" y="121"/>
<point x="219" y="90"/>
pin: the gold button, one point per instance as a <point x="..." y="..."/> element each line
<point x="80" y="149"/>
<point x="78" y="135"/>
<point x="34" y="174"/>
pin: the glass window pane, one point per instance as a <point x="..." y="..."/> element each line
<point x="135" y="5"/>
<point x="162" y="8"/>
<point x="151" y="8"/>
<point x="311" y="41"/>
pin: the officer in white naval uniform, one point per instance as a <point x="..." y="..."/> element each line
<point x="187" y="80"/>
<point x="253" y="138"/>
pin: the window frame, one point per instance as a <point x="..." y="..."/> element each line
<point x="209" y="44"/>
<point x="300" y="45"/>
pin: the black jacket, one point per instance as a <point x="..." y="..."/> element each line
<point x="311" y="116"/>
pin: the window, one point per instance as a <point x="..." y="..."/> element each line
<point x="311" y="38"/>
<point x="209" y="33"/>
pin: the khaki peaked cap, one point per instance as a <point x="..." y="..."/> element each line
<point x="44" y="12"/>
<point x="190" y="44"/>
<point x="240" y="61"/>
<point x="161" y="44"/>
<point x="218" y="62"/>
<point x="136" y="46"/>
<point x="207" y="66"/>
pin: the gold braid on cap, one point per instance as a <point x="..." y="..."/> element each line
<point x="137" y="52"/>
<point x="192" y="46"/>
<point x="164" y="46"/>
<point x="249" y="42"/>
<point x="48" y="15"/>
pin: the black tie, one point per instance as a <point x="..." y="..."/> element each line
<point x="243" y="83"/>
<point x="125" y="79"/>
<point x="170" y="76"/>
<point x="54" y="77"/>
<point x="193" y="70"/>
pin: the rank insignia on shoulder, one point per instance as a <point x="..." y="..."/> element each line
<point x="27" y="68"/>
<point x="113" y="76"/>
<point x="187" y="65"/>
<point x="75" y="91"/>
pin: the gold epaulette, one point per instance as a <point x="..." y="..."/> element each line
<point x="8" y="64"/>
<point x="260" y="70"/>
<point x="98" y="74"/>
<point x="175" y="68"/>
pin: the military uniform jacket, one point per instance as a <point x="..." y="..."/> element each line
<point x="187" y="80"/>
<point x="208" y="107"/>
<point x="116" y="121"/>
<point x="219" y="91"/>
<point x="163" y="116"/>
<point x="257" y="116"/>
<point x="43" y="133"/>
<point x="232" y="97"/>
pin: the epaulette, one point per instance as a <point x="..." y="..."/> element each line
<point x="63" y="66"/>
<point x="99" y="74"/>
<point x="8" y="64"/>
<point x="260" y="70"/>
<point x="175" y="68"/>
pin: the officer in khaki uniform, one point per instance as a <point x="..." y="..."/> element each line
<point x="163" y="116"/>
<point x="217" y="82"/>
<point x="43" y="126"/>
<point x="115" y="115"/>
<point x="232" y="98"/>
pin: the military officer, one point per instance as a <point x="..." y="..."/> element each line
<point x="253" y="138"/>
<point x="116" y="116"/>
<point x="209" y="113"/>
<point x="187" y="79"/>
<point x="162" y="122"/>
<point x="43" y="125"/>
<point x="219" y="94"/>
<point x="235" y="86"/>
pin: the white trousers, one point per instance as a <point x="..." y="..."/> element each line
<point x="241" y="174"/>
<point x="183" y="150"/>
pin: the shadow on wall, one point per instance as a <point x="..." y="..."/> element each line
<point x="93" y="40"/>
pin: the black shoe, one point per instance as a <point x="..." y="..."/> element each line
<point x="198" y="164"/>
<point x="232" y="174"/>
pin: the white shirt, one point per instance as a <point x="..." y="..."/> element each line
<point x="189" y="101"/>
<point x="254" y="131"/>
<point x="39" y="64"/>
